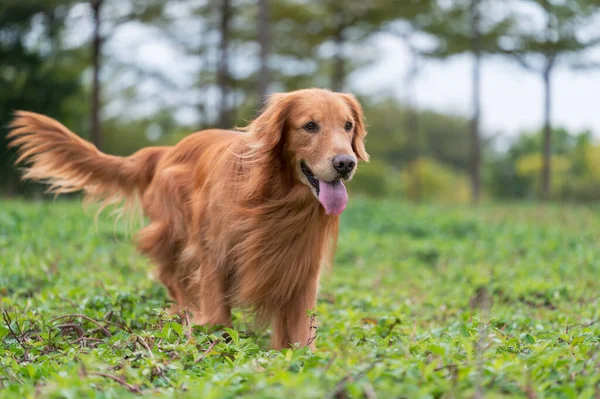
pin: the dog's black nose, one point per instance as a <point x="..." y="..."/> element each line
<point x="344" y="163"/>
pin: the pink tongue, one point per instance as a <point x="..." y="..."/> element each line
<point x="333" y="197"/>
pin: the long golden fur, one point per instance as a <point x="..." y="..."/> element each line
<point x="234" y="219"/>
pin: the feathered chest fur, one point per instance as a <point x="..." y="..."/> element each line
<point x="275" y="237"/>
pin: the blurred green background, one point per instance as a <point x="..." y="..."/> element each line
<point x="130" y="73"/>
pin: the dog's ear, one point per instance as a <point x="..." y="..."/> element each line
<point x="360" y="131"/>
<point x="268" y="129"/>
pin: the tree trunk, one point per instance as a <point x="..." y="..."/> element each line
<point x="337" y="75"/>
<point x="412" y="122"/>
<point x="96" y="65"/>
<point x="338" y="68"/>
<point x="547" y="146"/>
<point x="203" y="58"/>
<point x="476" y="104"/>
<point x="264" y="38"/>
<point x="546" y="168"/>
<point x="223" y="66"/>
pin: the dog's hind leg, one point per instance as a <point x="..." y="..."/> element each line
<point x="155" y="241"/>
<point x="176" y="293"/>
<point x="206" y="289"/>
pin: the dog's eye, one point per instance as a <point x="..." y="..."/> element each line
<point x="348" y="126"/>
<point x="311" y="127"/>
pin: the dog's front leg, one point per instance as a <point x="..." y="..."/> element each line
<point x="291" y="322"/>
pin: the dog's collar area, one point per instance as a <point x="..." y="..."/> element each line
<point x="309" y="176"/>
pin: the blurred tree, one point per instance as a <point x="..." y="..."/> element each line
<point x="346" y="22"/>
<point x="224" y="43"/>
<point x="223" y="78"/>
<point x="412" y="121"/>
<point x="341" y="19"/>
<point x="303" y="54"/>
<point x="476" y="87"/>
<point x="201" y="51"/>
<point x="112" y="14"/>
<point x="443" y="136"/>
<point x="443" y="165"/>
<point x="462" y="27"/>
<point x="191" y="27"/>
<point x="438" y="183"/>
<point x="263" y="24"/>
<point x="42" y="66"/>
<point x="36" y="73"/>
<point x="516" y="173"/>
<point x="96" y="65"/>
<point x="559" y="42"/>
<point x="320" y="43"/>
<point x="414" y="17"/>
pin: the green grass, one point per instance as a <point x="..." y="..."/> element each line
<point x="422" y="302"/>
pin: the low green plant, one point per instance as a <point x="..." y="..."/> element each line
<point x="423" y="302"/>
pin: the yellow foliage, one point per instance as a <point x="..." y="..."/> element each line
<point x="592" y="161"/>
<point x="373" y="179"/>
<point x="530" y="165"/>
<point x="429" y="180"/>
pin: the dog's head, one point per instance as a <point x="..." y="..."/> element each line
<point x="320" y="135"/>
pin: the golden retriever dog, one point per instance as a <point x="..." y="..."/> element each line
<point x="237" y="218"/>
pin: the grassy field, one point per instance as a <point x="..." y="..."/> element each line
<point x="423" y="302"/>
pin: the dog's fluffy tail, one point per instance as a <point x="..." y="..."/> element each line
<point x="58" y="157"/>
